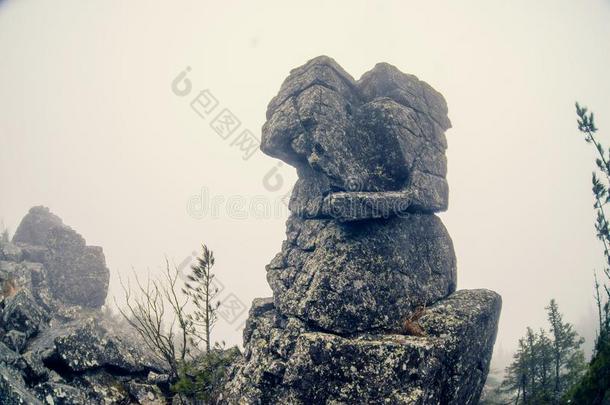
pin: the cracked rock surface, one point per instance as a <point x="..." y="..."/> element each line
<point x="364" y="306"/>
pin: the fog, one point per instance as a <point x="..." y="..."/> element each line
<point x="90" y="127"/>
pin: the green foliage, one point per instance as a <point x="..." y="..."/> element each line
<point x="173" y="330"/>
<point x="202" y="292"/>
<point x="546" y="364"/>
<point x="594" y="388"/>
<point x="204" y="377"/>
<point x="565" y="353"/>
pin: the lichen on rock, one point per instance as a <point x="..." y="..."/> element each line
<point x="363" y="253"/>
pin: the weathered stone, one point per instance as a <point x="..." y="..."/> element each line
<point x="33" y="367"/>
<point x="7" y="355"/>
<point x="103" y="388"/>
<point x="364" y="308"/>
<point x="156" y="378"/>
<point x="289" y="364"/>
<point x="76" y="273"/>
<point x="88" y="344"/>
<point x="382" y="133"/>
<point x="28" y="276"/>
<point x="15" y="339"/>
<point x="23" y="314"/>
<point x="268" y="345"/>
<point x="97" y="359"/>
<point x="35" y="227"/>
<point x="308" y="193"/>
<point x="361" y="276"/>
<point x="259" y="307"/>
<point x="60" y="394"/>
<point x="20" y="275"/>
<point x="13" y="390"/>
<point x="146" y="394"/>
<point x="10" y="252"/>
<point x="33" y="253"/>
<point x="384" y="80"/>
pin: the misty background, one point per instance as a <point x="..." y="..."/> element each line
<point x="90" y="127"/>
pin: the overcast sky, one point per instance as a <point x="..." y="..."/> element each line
<point x="90" y="127"/>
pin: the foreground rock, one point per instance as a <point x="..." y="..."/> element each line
<point x="364" y="307"/>
<point x="84" y="361"/>
<point x="287" y="363"/>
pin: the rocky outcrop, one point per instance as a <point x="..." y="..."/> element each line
<point x="56" y="345"/>
<point x="364" y="307"/>
<point x="76" y="273"/>
<point x="304" y="366"/>
<point x="84" y="361"/>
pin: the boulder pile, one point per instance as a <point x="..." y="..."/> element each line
<point x="57" y="345"/>
<point x="364" y="306"/>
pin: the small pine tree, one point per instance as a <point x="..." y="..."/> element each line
<point x="568" y="359"/>
<point x="545" y="361"/>
<point x="531" y="344"/>
<point x="194" y="375"/>
<point x="200" y="288"/>
<point x="517" y="374"/>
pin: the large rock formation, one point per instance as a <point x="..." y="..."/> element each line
<point x="364" y="308"/>
<point x="76" y="273"/>
<point x="56" y="345"/>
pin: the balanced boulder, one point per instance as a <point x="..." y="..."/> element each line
<point x="364" y="306"/>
